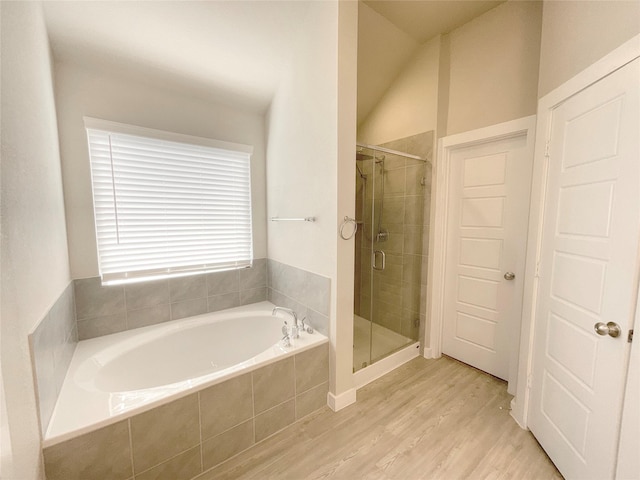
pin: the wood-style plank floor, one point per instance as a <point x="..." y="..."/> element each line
<point x="429" y="419"/>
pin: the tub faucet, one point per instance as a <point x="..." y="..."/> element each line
<point x="294" y="328"/>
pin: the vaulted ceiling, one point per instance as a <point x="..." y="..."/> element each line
<point x="391" y="31"/>
<point x="237" y="47"/>
<point x="423" y="20"/>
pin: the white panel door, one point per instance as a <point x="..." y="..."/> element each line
<point x="587" y="269"/>
<point x="489" y="186"/>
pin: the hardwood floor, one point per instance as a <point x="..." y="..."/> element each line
<point x="429" y="419"/>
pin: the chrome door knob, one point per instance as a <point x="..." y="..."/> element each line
<point x="612" y="329"/>
<point x="509" y="276"/>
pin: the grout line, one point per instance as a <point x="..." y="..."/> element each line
<point x="276" y="406"/>
<point x="262" y="441"/>
<point x="133" y="468"/>
<point x="228" y="459"/>
<point x="42" y="428"/>
<point x="126" y="310"/>
<point x="73" y="299"/>
<point x="169" y="459"/>
<point x="299" y="302"/>
<point x="253" y="409"/>
<point x="295" y="387"/>
<point x="126" y="307"/>
<point x="228" y="429"/>
<point x="311" y="388"/>
<point x="208" y="304"/>
<point x="200" y="428"/>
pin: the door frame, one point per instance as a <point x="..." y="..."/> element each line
<point x="615" y="60"/>
<point x="514" y="128"/>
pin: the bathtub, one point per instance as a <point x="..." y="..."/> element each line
<point x="118" y="376"/>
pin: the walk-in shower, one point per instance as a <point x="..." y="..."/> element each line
<point x="392" y="196"/>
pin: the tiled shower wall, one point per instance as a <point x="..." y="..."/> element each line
<point x="187" y="436"/>
<point x="396" y="296"/>
<point x="52" y="344"/>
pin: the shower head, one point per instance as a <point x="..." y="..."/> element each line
<point x="362" y="156"/>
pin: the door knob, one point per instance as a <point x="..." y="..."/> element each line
<point x="509" y="276"/>
<point x="612" y="329"/>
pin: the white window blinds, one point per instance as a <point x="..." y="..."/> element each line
<point x="168" y="204"/>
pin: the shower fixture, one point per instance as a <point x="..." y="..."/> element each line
<point x="381" y="234"/>
<point x="378" y="233"/>
<point x="364" y="156"/>
<point x="361" y="146"/>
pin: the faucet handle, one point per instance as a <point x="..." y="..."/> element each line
<point x="306" y="327"/>
<point x="285" y="342"/>
<point x="295" y="331"/>
<point x="285" y="329"/>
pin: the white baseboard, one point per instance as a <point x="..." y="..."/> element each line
<point x="514" y="414"/>
<point x="338" y="402"/>
<point x="385" y="365"/>
<point x="428" y="353"/>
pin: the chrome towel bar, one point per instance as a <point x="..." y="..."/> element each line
<point x="300" y="219"/>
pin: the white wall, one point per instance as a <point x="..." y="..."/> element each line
<point x="494" y="67"/>
<point x="88" y="91"/>
<point x="409" y="106"/>
<point x="576" y="34"/>
<point x="302" y="149"/>
<point x="383" y="51"/>
<point x="302" y="164"/>
<point x="482" y="73"/>
<point x="342" y="324"/>
<point x="35" y="266"/>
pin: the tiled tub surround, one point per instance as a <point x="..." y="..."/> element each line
<point x="196" y="430"/>
<point x="307" y="293"/>
<point x="102" y="310"/>
<point x="52" y="344"/>
<point x="193" y="434"/>
<point x="87" y="310"/>
<point x="119" y="375"/>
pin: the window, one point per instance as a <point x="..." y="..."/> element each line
<point x="168" y="204"/>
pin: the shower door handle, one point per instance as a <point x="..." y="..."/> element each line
<point x="374" y="259"/>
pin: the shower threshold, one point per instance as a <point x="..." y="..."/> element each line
<point x="384" y="343"/>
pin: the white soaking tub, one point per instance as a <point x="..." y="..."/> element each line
<point x="120" y="375"/>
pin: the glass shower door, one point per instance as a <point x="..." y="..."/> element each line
<point x="365" y="216"/>
<point x="381" y="261"/>
<point x="389" y="261"/>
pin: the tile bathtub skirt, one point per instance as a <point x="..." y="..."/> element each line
<point x="192" y="434"/>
